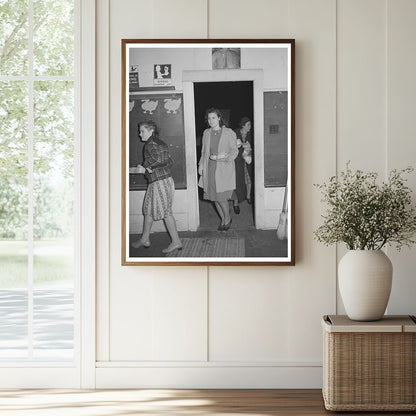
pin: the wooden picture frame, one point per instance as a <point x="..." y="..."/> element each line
<point x="173" y="83"/>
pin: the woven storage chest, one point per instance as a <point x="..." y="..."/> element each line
<point x="369" y="366"/>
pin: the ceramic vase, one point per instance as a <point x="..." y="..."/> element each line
<point x="364" y="278"/>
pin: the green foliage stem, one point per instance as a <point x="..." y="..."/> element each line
<point x="366" y="215"/>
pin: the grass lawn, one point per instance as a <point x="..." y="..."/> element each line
<point x="52" y="263"/>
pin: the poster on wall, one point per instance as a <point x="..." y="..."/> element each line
<point x="134" y="78"/>
<point x="162" y="74"/>
<point x="208" y="152"/>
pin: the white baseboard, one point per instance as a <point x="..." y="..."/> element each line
<point x="171" y="375"/>
<point x="210" y="377"/>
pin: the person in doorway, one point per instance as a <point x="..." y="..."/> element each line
<point x="158" y="200"/>
<point x="243" y="164"/>
<point x="216" y="165"/>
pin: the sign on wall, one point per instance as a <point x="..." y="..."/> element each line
<point x="162" y="74"/>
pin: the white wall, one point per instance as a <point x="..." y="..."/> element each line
<point x="255" y="326"/>
<point x="274" y="65"/>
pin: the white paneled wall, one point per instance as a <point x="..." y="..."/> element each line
<point x="361" y="84"/>
<point x="255" y="321"/>
<point x="163" y="314"/>
<point x="254" y="326"/>
<point x="401" y="132"/>
<point x="361" y="88"/>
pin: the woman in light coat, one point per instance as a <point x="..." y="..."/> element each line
<point x="216" y="165"/>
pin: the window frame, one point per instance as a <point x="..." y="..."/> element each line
<point x="80" y="373"/>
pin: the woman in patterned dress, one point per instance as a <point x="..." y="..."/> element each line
<point x="216" y="165"/>
<point x="158" y="200"/>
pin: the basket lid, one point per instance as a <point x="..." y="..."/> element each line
<point x="389" y="323"/>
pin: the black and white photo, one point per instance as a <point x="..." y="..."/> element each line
<point x="208" y="152"/>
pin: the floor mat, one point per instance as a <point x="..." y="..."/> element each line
<point x="211" y="247"/>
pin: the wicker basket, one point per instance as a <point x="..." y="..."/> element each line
<point x="369" y="366"/>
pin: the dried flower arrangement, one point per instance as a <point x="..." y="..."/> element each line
<point x="366" y="215"/>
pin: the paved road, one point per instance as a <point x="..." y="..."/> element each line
<point x="53" y="323"/>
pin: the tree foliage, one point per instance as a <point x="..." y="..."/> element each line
<point x="13" y="208"/>
<point x="52" y="118"/>
<point x="53" y="37"/>
<point x="13" y="37"/>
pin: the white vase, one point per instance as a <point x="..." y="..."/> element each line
<point x="364" y="278"/>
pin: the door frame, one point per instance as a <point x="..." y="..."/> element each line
<point x="223" y="75"/>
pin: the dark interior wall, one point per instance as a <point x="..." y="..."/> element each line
<point x="166" y="110"/>
<point x="237" y="97"/>
<point x="275" y="138"/>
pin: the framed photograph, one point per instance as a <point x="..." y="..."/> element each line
<point x="208" y="152"/>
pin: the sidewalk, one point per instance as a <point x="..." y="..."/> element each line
<point x="53" y="323"/>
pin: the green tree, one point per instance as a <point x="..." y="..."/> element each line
<point x="53" y="117"/>
<point x="53" y="35"/>
<point x="13" y="37"/>
<point x="13" y="209"/>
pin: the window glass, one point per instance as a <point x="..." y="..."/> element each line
<point x="14" y="313"/>
<point x="53" y="37"/>
<point x="13" y="37"/>
<point x="53" y="196"/>
<point x="13" y="161"/>
<point x="13" y="219"/>
<point x="37" y="181"/>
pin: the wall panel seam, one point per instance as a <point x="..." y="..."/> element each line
<point x="207" y="314"/>
<point x="207" y="12"/>
<point x="103" y="194"/>
<point x="386" y="40"/>
<point x="336" y="142"/>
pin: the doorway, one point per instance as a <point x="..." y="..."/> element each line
<point x="235" y="100"/>
<point x="189" y="80"/>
